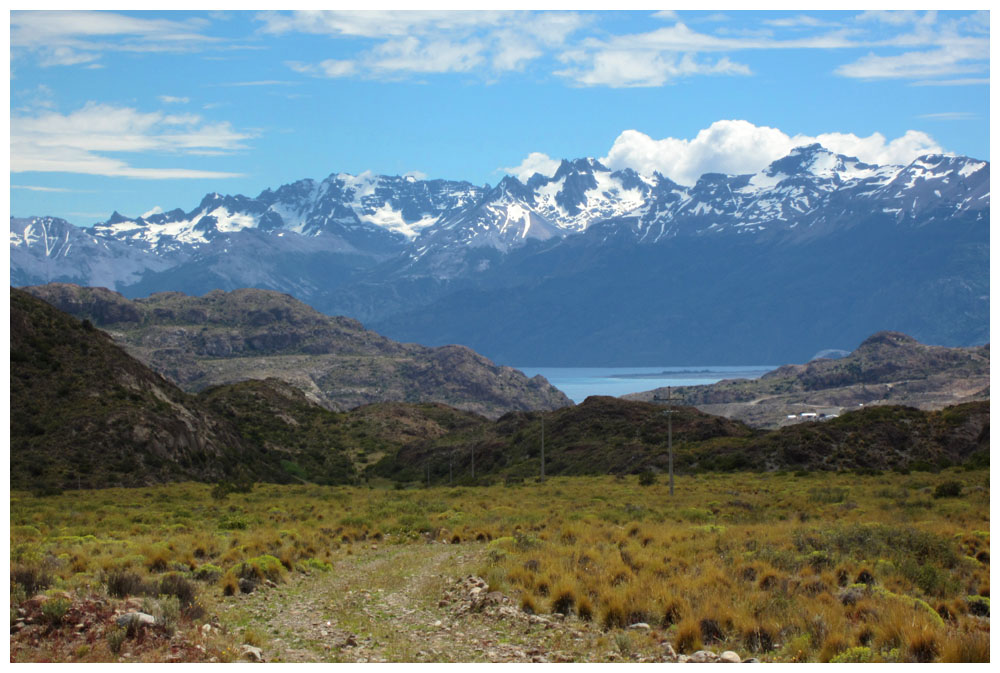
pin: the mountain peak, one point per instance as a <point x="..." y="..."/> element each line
<point x="117" y="218"/>
<point x="583" y="165"/>
<point x="887" y="338"/>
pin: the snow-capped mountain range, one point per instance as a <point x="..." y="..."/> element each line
<point x="331" y="242"/>
<point x="381" y="214"/>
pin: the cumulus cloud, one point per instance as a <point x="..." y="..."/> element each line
<point x="80" y="142"/>
<point x="734" y="147"/>
<point x="536" y="162"/>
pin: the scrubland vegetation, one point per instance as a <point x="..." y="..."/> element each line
<point x="779" y="566"/>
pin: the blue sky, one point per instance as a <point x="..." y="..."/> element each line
<point x="136" y="110"/>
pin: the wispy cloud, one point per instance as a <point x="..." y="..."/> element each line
<point x="174" y="99"/>
<point x="963" y="81"/>
<point x="36" y="188"/>
<point x="83" y="142"/>
<point x="943" y="62"/>
<point x="640" y="68"/>
<point x="261" y="82"/>
<point x="65" y="38"/>
<point x="936" y="48"/>
<point x="400" y="44"/>
<point x="949" y="116"/>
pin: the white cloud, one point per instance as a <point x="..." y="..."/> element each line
<point x="962" y="81"/>
<point x="894" y="18"/>
<point x="634" y="68"/>
<point x="952" y="60"/>
<point x="63" y="38"/>
<point x="949" y="115"/>
<point x="329" y="68"/>
<point x="659" y="56"/>
<point x="536" y="162"/>
<point x="376" y="24"/>
<point x="410" y="54"/>
<point x="425" y="42"/>
<point x="735" y="147"/>
<point x="174" y="99"/>
<point x="802" y="20"/>
<point x="36" y="188"/>
<point x="81" y="141"/>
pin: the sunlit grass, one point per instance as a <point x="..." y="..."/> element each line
<point x="820" y="567"/>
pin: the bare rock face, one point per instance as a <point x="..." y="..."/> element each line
<point x="226" y="337"/>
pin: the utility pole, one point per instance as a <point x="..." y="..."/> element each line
<point x="451" y="463"/>
<point x="428" y="473"/>
<point x="473" y="451"/>
<point x="543" y="448"/>
<point x="670" y="435"/>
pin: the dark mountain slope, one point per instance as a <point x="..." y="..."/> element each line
<point x="320" y="445"/>
<point x="600" y="298"/>
<point x="84" y="413"/>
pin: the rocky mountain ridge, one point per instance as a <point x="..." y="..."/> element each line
<point x="379" y="216"/>
<point x="226" y="337"/>
<point x="887" y="368"/>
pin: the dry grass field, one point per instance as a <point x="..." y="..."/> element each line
<point x="777" y="566"/>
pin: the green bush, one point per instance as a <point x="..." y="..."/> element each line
<point x="647" y="478"/>
<point x="948" y="489"/>
<point x="208" y="572"/>
<point x="854" y="655"/>
<point x="53" y="610"/>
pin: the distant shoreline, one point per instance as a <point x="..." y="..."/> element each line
<point x="659" y="375"/>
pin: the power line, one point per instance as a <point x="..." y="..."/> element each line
<point x="669" y="413"/>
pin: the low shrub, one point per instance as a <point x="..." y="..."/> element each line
<point x="854" y="655"/>
<point x="54" y="609"/>
<point x="948" y="489"/>
<point x="175" y="585"/>
<point x="122" y="583"/>
<point x="208" y="572"/>
<point x="32" y="578"/>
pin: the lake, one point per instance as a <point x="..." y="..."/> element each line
<point x="579" y="383"/>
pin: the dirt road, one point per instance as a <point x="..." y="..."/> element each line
<point x="411" y="603"/>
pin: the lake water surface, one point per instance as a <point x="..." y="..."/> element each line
<point x="579" y="383"/>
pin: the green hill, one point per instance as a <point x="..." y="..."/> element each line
<point x="607" y="435"/>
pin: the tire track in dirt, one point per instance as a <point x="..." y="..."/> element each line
<point x="390" y="604"/>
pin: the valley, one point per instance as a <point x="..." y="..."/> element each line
<point x="257" y="524"/>
<point x="382" y="336"/>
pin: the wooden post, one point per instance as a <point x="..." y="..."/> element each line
<point x="543" y="448"/>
